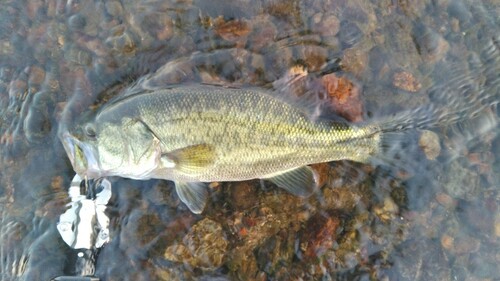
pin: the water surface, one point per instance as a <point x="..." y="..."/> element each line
<point x="430" y="212"/>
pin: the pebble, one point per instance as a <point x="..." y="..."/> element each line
<point x="431" y="45"/>
<point x="429" y="143"/>
<point x="114" y="8"/>
<point x="166" y="31"/>
<point x="263" y="32"/>
<point x="340" y="198"/>
<point x="5" y="74"/>
<point x="344" y="97"/>
<point x="446" y="200"/>
<point x="122" y="43"/>
<point x="77" y="22"/>
<point x="6" y="48"/>
<point x="275" y="252"/>
<point x="463" y="245"/>
<point x="484" y="265"/>
<point x="282" y="9"/>
<point x="478" y="215"/>
<point x="447" y="242"/>
<point x="314" y="57"/>
<point x="387" y="211"/>
<point x="37" y="123"/>
<point x="325" y="24"/>
<point x="244" y="194"/>
<point x="406" y="81"/>
<point x="460" y="11"/>
<point x="461" y="183"/>
<point x="204" y="246"/>
<point x="355" y="61"/>
<point x="77" y="56"/>
<point x="319" y="235"/>
<point x="17" y="92"/>
<point x="350" y="34"/>
<point x="232" y="30"/>
<point x="36" y="76"/>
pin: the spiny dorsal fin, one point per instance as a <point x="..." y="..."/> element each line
<point x="306" y="93"/>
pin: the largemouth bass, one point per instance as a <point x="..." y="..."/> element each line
<point x="197" y="134"/>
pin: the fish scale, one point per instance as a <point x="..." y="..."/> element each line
<point x="196" y="134"/>
<point x="255" y="134"/>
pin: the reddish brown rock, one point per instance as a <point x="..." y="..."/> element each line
<point x="282" y="9"/>
<point x="233" y="30"/>
<point x="244" y="195"/>
<point x="323" y="170"/>
<point x="319" y="235"/>
<point x="314" y="57"/>
<point x="344" y="97"/>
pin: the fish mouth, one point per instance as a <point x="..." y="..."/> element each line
<point x="83" y="156"/>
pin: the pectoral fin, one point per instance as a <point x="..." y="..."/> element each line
<point x="193" y="194"/>
<point x="191" y="159"/>
<point x="302" y="181"/>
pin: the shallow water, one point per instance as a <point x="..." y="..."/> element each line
<point x="430" y="211"/>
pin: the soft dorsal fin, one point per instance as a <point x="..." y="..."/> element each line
<point x="191" y="159"/>
<point x="302" y="181"/>
<point x="306" y="93"/>
<point x="193" y="194"/>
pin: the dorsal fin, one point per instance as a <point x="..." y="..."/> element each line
<point x="304" y="92"/>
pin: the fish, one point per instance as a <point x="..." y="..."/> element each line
<point x="194" y="134"/>
<point x="197" y="134"/>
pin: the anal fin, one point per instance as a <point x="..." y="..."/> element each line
<point x="302" y="181"/>
<point x="193" y="194"/>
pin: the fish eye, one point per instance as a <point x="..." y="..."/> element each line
<point x="89" y="130"/>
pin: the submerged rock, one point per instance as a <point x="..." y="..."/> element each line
<point x="233" y="30"/>
<point x="326" y="24"/>
<point x="344" y="96"/>
<point x="429" y="143"/>
<point x="461" y="183"/>
<point x="204" y="246"/>
<point x="406" y="81"/>
<point x="319" y="235"/>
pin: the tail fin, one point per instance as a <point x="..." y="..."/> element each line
<point x="463" y="97"/>
<point x="462" y="103"/>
